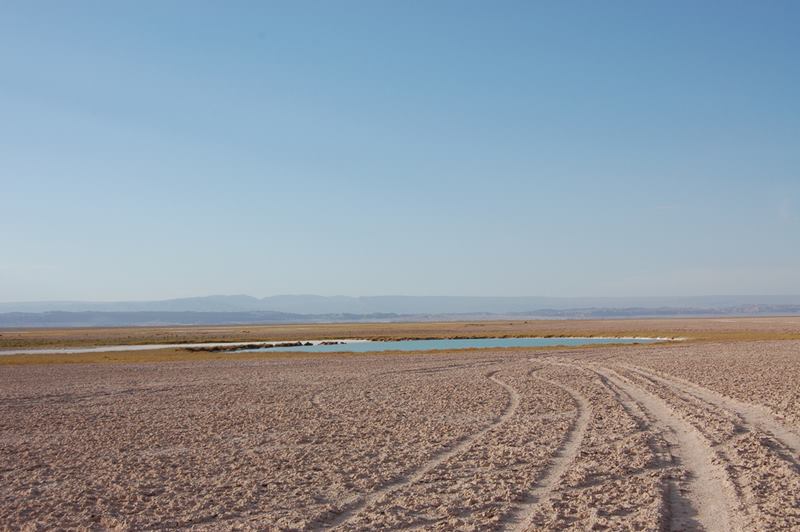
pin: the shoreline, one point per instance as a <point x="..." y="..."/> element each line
<point x="246" y="346"/>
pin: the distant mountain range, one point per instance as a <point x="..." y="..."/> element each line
<point x="224" y="309"/>
<point x="311" y="304"/>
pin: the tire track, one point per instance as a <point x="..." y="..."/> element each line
<point x="438" y="369"/>
<point x="750" y="415"/>
<point x="358" y="502"/>
<point x="707" y="501"/>
<point x="566" y="455"/>
<point x="659" y="447"/>
<point x="681" y="513"/>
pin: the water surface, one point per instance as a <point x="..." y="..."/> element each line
<point x="466" y="343"/>
<point x="348" y="346"/>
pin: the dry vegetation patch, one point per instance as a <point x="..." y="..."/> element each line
<point x="727" y="329"/>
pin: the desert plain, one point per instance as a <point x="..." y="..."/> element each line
<point x="697" y="434"/>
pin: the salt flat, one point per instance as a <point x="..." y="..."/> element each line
<point x="701" y="435"/>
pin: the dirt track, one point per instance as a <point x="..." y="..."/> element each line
<point x="702" y="436"/>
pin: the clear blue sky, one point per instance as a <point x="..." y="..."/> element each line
<point x="164" y="149"/>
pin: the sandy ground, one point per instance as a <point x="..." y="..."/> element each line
<point x="679" y="437"/>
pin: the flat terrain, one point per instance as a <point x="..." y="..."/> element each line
<point x="705" y="329"/>
<point x="702" y="434"/>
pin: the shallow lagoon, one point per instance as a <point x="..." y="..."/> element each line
<point x="461" y="343"/>
<point x="349" y="346"/>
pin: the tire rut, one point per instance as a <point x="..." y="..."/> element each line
<point x="706" y="498"/>
<point x="749" y="414"/>
<point x="565" y="456"/>
<point x="353" y="506"/>
<point x="680" y="510"/>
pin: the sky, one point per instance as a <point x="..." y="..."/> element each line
<point x="159" y="149"/>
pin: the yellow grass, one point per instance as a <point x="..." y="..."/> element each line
<point x="693" y="330"/>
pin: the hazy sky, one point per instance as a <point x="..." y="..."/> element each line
<point x="163" y="149"/>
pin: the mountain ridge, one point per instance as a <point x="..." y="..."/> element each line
<point x="164" y="318"/>
<point x="393" y="304"/>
